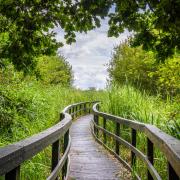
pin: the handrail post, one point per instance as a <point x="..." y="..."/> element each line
<point x="133" y="142"/>
<point x="89" y="108"/>
<point x="76" y="111"/>
<point x="96" y="121"/>
<point x="14" y="174"/>
<point x="80" y="110"/>
<point x="171" y="173"/>
<point x="150" y="154"/>
<point x="61" y="116"/>
<point x="85" y="109"/>
<point x="73" y="110"/>
<point x="117" y="134"/>
<point x="55" y="154"/>
<point x="66" y="141"/>
<point x="104" y="134"/>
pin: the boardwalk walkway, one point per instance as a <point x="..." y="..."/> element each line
<point x="89" y="160"/>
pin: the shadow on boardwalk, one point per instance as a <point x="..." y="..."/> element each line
<point x="89" y="160"/>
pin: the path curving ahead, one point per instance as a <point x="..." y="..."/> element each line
<point x="89" y="160"/>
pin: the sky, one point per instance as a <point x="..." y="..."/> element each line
<point x="90" y="55"/>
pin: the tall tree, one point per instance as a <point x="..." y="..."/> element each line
<point x="25" y="25"/>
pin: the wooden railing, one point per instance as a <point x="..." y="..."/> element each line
<point x="168" y="145"/>
<point x="12" y="156"/>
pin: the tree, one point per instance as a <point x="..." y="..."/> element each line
<point x="54" y="70"/>
<point x="132" y="66"/>
<point x="25" y="25"/>
<point x="138" y="68"/>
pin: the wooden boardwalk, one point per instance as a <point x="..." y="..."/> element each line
<point x="89" y="160"/>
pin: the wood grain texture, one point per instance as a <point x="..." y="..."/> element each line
<point x="89" y="160"/>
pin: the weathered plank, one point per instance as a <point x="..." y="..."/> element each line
<point x="88" y="159"/>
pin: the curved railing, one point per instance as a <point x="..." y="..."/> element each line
<point x="12" y="156"/>
<point x="168" y="145"/>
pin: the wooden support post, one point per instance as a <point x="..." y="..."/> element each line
<point x="14" y="174"/>
<point x="66" y="140"/>
<point x="150" y="155"/>
<point x="117" y="134"/>
<point x="171" y="173"/>
<point x="74" y="115"/>
<point x="80" y="110"/>
<point x="96" y="121"/>
<point x="133" y="142"/>
<point x="61" y="116"/>
<point x="94" y="118"/>
<point x="104" y="134"/>
<point x="84" y="109"/>
<point x="76" y="111"/>
<point x="55" y="155"/>
<point x="89" y="108"/>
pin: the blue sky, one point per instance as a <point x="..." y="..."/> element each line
<point x="89" y="55"/>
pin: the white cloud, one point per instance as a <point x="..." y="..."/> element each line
<point x="89" y="55"/>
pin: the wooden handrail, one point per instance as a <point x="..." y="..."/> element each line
<point x="13" y="155"/>
<point x="167" y="144"/>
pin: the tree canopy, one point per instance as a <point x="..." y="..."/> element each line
<point x="25" y="25"/>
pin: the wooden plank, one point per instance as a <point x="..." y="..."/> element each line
<point x="88" y="159"/>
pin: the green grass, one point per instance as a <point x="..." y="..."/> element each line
<point x="130" y="103"/>
<point x="33" y="107"/>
